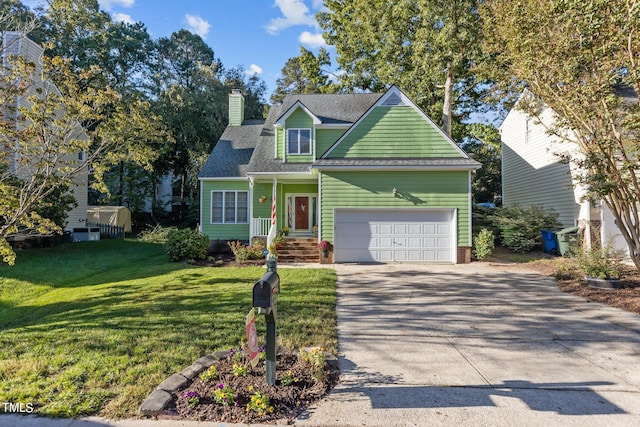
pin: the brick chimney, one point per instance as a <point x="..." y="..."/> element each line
<point x="236" y="108"/>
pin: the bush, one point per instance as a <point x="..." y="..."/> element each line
<point x="600" y="263"/>
<point x="239" y="251"/>
<point x="186" y="244"/>
<point x="483" y="244"/>
<point x="243" y="253"/>
<point x="520" y="226"/>
<point x="157" y="234"/>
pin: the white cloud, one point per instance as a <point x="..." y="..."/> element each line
<point x="295" y="12"/>
<point x="109" y="4"/>
<point x="197" y="25"/>
<point x="122" y="17"/>
<point x="312" y="40"/>
<point x="253" y="69"/>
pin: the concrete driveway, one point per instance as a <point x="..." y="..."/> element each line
<point x="474" y="345"/>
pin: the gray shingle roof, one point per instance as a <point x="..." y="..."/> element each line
<point x="232" y="154"/>
<point x="333" y="108"/>
<point x="250" y="147"/>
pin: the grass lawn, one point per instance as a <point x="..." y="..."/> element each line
<point x="94" y="327"/>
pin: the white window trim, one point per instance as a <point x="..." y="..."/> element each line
<point x="235" y="210"/>
<point x="310" y="142"/>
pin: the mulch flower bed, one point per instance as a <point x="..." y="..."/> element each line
<point x="232" y="392"/>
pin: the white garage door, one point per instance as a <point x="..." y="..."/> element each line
<point x="385" y="235"/>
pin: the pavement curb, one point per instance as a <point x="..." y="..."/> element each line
<point x="161" y="396"/>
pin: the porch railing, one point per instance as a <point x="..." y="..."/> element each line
<point x="261" y="226"/>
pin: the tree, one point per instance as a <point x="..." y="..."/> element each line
<point x="192" y="101"/>
<point x="427" y="47"/>
<point x="75" y="30"/>
<point x="253" y="89"/>
<point x="304" y="74"/>
<point x="483" y="144"/>
<point x="14" y="16"/>
<point x="125" y="58"/>
<point x="52" y="134"/>
<point x="192" y="90"/>
<point x="582" y="60"/>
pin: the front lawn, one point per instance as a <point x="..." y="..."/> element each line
<point x="94" y="327"/>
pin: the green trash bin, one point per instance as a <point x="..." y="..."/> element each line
<point x="567" y="237"/>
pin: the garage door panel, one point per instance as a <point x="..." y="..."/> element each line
<point x="415" y="229"/>
<point x="429" y="229"/>
<point x="429" y="243"/>
<point x="385" y="229"/>
<point x="401" y="229"/>
<point x="393" y="235"/>
<point x="414" y="242"/>
<point x="384" y="256"/>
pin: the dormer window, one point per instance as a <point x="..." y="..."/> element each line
<point x="299" y="141"/>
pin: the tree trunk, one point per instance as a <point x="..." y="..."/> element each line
<point x="120" y="195"/>
<point x="448" y="101"/>
<point x="622" y="212"/>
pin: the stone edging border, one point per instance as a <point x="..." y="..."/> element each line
<point x="161" y="396"/>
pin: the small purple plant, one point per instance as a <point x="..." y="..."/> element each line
<point x="192" y="397"/>
<point x="224" y="395"/>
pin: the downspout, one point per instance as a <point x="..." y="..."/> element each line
<point x="251" y="221"/>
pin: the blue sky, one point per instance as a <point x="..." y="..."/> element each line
<point x="260" y="35"/>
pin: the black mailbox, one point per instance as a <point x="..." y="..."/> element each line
<point x="265" y="291"/>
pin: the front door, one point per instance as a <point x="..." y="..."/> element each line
<point x="301" y="213"/>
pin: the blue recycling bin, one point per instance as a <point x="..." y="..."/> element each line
<point x="550" y="242"/>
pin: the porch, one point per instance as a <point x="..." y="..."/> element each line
<point x="260" y="228"/>
<point x="297" y="211"/>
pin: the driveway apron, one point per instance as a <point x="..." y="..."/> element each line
<point x="477" y="345"/>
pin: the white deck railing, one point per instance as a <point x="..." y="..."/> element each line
<point x="261" y="226"/>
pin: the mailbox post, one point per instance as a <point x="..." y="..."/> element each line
<point x="265" y="298"/>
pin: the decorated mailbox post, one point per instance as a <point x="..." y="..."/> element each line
<point x="265" y="299"/>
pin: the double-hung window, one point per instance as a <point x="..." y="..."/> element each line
<point x="229" y="207"/>
<point x="299" y="141"/>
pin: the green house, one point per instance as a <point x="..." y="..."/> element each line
<point x="370" y="173"/>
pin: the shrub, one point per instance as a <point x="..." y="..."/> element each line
<point x="186" y="244"/>
<point x="325" y="246"/>
<point x="244" y="253"/>
<point x="315" y="360"/>
<point x="239" y="251"/>
<point x="601" y="263"/>
<point x="483" y="244"/>
<point x="157" y="234"/>
<point x="520" y="226"/>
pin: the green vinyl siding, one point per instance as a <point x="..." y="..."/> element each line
<point x="279" y="142"/>
<point x="325" y="138"/>
<point x="298" y="120"/>
<point x="236" y="110"/>
<point x="310" y="188"/>
<point x="262" y="210"/>
<point x="222" y="231"/>
<point x="394" y="132"/>
<point x="435" y="189"/>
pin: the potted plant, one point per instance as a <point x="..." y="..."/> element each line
<point x="285" y="230"/>
<point x="325" y="247"/>
<point x="602" y="266"/>
<point x="262" y="199"/>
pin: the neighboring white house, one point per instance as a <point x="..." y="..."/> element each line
<point x="533" y="174"/>
<point x="16" y="43"/>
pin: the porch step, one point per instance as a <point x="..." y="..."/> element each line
<point x="299" y="249"/>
